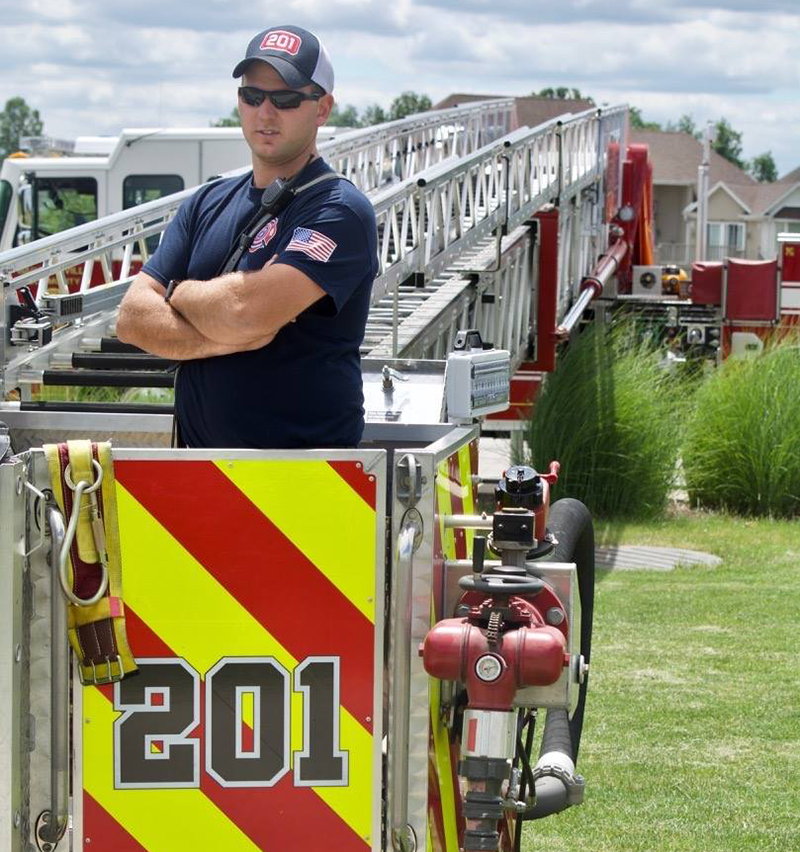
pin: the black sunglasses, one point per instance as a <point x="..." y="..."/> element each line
<point x="280" y="99"/>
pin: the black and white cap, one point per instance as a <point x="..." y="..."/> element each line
<point x="296" y="54"/>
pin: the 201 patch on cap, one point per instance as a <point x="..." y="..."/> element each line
<point x="283" y="41"/>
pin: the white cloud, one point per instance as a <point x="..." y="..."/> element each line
<point x="98" y="66"/>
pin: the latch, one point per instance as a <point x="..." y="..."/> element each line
<point x="409" y="480"/>
<point x="28" y="326"/>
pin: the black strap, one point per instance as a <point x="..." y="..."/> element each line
<point x="245" y="239"/>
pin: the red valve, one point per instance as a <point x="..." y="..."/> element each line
<point x="494" y="668"/>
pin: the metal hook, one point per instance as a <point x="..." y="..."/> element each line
<point x="83" y="487"/>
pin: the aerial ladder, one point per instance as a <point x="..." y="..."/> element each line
<point x="332" y="648"/>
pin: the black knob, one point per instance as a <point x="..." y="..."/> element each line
<point x="521" y="486"/>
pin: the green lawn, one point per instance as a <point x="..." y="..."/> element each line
<point x="692" y="735"/>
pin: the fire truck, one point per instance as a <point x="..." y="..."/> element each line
<point x="317" y="649"/>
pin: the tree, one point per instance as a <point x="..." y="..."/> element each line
<point x="763" y="168"/>
<point x="408" y="103"/>
<point x="562" y="93"/>
<point x="232" y="120"/>
<point x="685" y="124"/>
<point x="728" y="142"/>
<point x="17" y="119"/>
<point x="374" y="114"/>
<point x="638" y="123"/>
<point x="346" y="116"/>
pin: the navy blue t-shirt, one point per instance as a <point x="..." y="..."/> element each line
<point x="303" y="389"/>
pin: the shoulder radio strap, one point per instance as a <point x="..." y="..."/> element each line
<point x="266" y="214"/>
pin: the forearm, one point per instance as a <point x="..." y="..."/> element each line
<point x="215" y="309"/>
<point x="242" y="307"/>
<point x="147" y="321"/>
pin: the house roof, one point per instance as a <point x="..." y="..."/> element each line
<point x="792" y="177"/>
<point x="762" y="196"/>
<point x="530" y="110"/>
<point x="758" y="198"/>
<point x="676" y="157"/>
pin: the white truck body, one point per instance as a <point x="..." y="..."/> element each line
<point x="105" y="175"/>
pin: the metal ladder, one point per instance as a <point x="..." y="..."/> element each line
<point x="454" y="248"/>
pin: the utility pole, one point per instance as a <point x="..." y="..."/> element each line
<point x="702" y="195"/>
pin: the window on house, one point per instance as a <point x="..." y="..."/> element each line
<point x="726" y="235"/>
<point x="787" y="226"/>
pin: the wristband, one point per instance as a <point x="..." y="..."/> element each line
<point x="170" y="289"/>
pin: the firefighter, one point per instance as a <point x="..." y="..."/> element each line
<point x="260" y="287"/>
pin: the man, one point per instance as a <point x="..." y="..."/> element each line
<point x="270" y="352"/>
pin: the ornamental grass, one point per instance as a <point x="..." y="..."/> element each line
<point x="610" y="414"/>
<point x="741" y="450"/>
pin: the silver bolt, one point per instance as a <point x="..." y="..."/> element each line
<point x="87" y="839"/>
<point x="17" y="819"/>
<point x="18" y="653"/>
<point x="19" y="485"/>
<point x="369" y="718"/>
<point x="554" y="616"/>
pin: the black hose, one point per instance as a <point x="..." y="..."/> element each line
<point x="571" y="523"/>
<point x="557" y="735"/>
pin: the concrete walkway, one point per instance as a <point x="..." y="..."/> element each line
<point x="633" y="558"/>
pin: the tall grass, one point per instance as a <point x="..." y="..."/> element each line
<point x="742" y="446"/>
<point x="610" y="415"/>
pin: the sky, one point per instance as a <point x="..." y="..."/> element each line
<point x="92" y="67"/>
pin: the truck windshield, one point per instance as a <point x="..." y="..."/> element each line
<point x="6" y="196"/>
<point x="63" y="203"/>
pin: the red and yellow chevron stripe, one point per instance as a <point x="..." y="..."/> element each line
<point x="250" y="559"/>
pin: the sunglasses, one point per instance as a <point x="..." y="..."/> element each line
<point x="280" y="99"/>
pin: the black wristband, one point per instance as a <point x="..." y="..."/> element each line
<point x="170" y="289"/>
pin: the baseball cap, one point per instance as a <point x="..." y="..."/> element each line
<point x="296" y="54"/>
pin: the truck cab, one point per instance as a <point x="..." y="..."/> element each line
<point x="62" y="186"/>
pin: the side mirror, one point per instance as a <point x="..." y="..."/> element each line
<point x="25" y="203"/>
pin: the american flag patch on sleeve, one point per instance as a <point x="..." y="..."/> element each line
<point x="312" y="243"/>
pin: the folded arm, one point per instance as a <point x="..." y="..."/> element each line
<point x="147" y="321"/>
<point x="243" y="306"/>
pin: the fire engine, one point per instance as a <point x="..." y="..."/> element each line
<point x="317" y="649"/>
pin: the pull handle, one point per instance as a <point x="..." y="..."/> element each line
<point x="403" y="837"/>
<point x="51" y="825"/>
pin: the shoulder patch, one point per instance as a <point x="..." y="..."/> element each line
<point x="264" y="235"/>
<point x="312" y="243"/>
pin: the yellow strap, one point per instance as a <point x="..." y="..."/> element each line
<point x="110" y="606"/>
<point x="111" y="522"/>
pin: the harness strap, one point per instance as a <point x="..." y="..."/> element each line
<point x="96" y="632"/>
<point x="245" y="239"/>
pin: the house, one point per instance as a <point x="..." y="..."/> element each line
<point x="530" y="110"/>
<point x="744" y="216"/>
